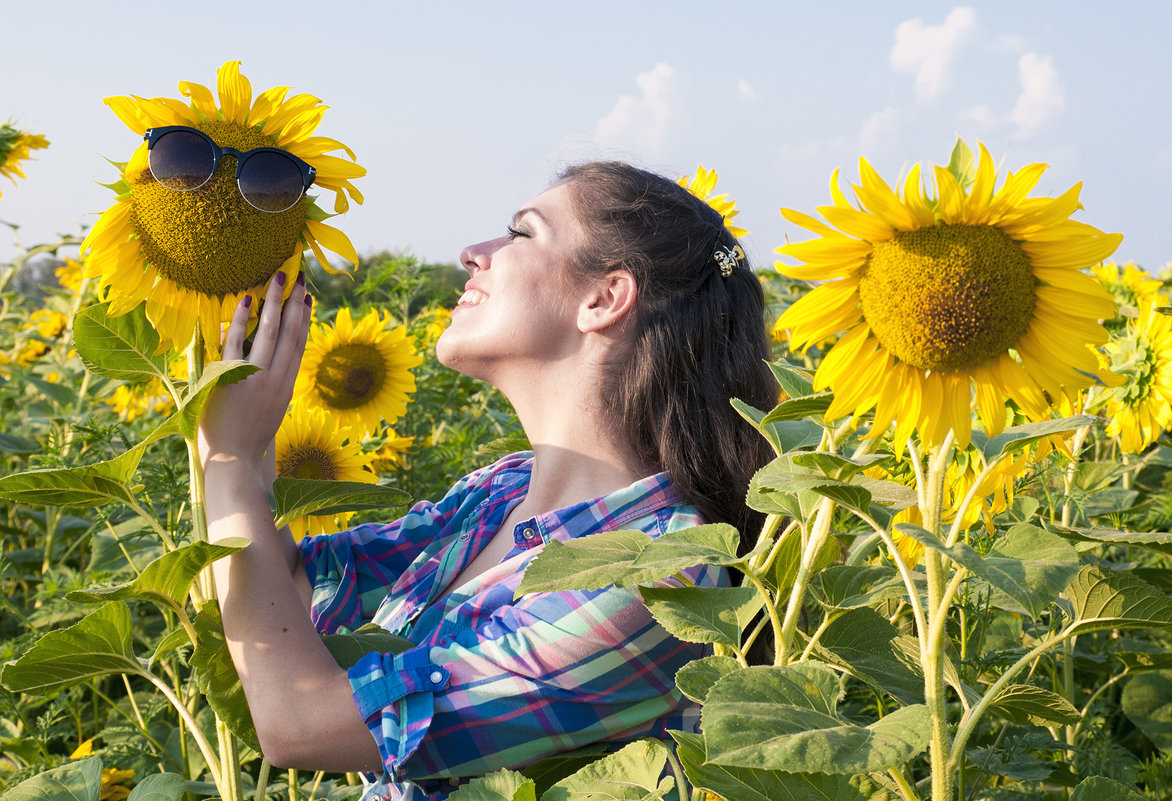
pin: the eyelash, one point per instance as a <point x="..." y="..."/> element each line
<point x="514" y="233"/>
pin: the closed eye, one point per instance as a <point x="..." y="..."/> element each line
<point x="515" y="232"/>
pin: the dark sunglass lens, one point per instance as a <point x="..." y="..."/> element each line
<point x="182" y="160"/>
<point x="271" y="181"/>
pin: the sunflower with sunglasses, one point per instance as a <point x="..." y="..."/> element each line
<point x="214" y="202"/>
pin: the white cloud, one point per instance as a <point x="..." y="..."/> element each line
<point x="746" y="92"/>
<point x="879" y="130"/>
<point x="927" y="51"/>
<point x="1041" y="94"/>
<point x="641" y="122"/>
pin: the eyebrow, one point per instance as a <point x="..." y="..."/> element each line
<point x="529" y="210"/>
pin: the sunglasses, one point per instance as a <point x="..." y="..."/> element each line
<point x="269" y="179"/>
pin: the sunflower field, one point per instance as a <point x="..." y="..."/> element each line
<point x="961" y="590"/>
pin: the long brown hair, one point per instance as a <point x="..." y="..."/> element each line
<point x="699" y="337"/>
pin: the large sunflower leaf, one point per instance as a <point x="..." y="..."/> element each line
<point x="1016" y="437"/>
<point x="633" y="773"/>
<point x="1027" y="568"/>
<point x="853" y="586"/>
<point x="166" y="580"/>
<point x="703" y="614"/>
<point x="626" y="557"/>
<point x="696" y="678"/>
<point x="787" y="561"/>
<point x="217" y="678"/>
<point x="192" y="403"/>
<point x="122" y="348"/>
<point x="503" y="785"/>
<point x="1159" y="541"/>
<point x="864" y="643"/>
<point x="752" y="784"/>
<point x="159" y="787"/>
<point x="296" y="497"/>
<point x="784" y="436"/>
<point x="97" y="645"/>
<point x="785" y="719"/>
<point x="347" y="649"/>
<point x="835" y="466"/>
<point x="799" y="408"/>
<point x="73" y="781"/>
<point x="1024" y="703"/>
<point x="1147" y="702"/>
<point x="1115" y="601"/>
<point x="1100" y="788"/>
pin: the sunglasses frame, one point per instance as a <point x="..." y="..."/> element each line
<point x="308" y="173"/>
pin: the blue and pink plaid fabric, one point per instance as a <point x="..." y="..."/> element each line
<point x="496" y="681"/>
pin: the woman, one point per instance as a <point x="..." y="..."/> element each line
<point x="618" y="316"/>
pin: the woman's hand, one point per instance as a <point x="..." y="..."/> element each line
<point x="241" y="419"/>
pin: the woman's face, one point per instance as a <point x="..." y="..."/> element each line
<point x="519" y="309"/>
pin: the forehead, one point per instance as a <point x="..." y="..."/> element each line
<point x="554" y="207"/>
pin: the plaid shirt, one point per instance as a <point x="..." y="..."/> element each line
<point x="496" y="681"/>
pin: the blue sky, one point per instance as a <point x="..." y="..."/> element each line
<point x="462" y="111"/>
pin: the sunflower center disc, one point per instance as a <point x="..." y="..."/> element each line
<point x="350" y="376"/>
<point x="948" y="297"/>
<point x="209" y="240"/>
<point x="308" y="461"/>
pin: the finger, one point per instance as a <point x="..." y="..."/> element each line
<point x="264" y="339"/>
<point x="295" y="321"/>
<point x="234" y="337"/>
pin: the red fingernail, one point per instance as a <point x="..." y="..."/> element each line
<point x="308" y="301"/>
<point x="248" y="301"/>
<point x="280" y="279"/>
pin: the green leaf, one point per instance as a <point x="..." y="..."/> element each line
<point x="547" y="772"/>
<point x="799" y="408"/>
<point x="1158" y="541"/>
<point x="73" y="781"/>
<point x="1147" y="702"/>
<point x="166" y="580"/>
<point x="1115" y="601"/>
<point x="1015" y="437"/>
<point x="848" y="496"/>
<point x="837" y="467"/>
<point x="630" y="774"/>
<point x="192" y="403"/>
<point x="1024" y="703"/>
<point x="61" y="394"/>
<point x="785" y="718"/>
<point x="296" y="497"/>
<point x="176" y="638"/>
<point x="703" y="614"/>
<point x="10" y="443"/>
<point x="624" y="558"/>
<point x="504" y="785"/>
<point x="751" y="784"/>
<point x="961" y="164"/>
<point x="863" y="642"/>
<point x="1100" y="788"/>
<point x="97" y="645"/>
<point x="159" y="787"/>
<point x="1027" y="568"/>
<point x="217" y="678"/>
<point x="123" y="348"/>
<point x="795" y="381"/>
<point x="370" y="638"/>
<point x="852" y="586"/>
<point x="784" y="436"/>
<point x="696" y="678"/>
<point x="788" y="558"/>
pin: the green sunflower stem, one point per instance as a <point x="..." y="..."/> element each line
<point x="1076" y="446"/>
<point x="932" y="641"/>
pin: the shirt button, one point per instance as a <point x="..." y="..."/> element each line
<point x="464" y="537"/>
<point x="436" y="677"/>
<point x="530" y="533"/>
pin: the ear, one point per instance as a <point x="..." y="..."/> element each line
<point x="607" y="301"/>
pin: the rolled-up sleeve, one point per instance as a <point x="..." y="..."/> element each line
<point x="551" y="673"/>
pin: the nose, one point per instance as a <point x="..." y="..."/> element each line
<point x="479" y="256"/>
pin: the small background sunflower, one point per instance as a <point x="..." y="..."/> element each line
<point x="15" y="147"/>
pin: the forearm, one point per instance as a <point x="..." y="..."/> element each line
<point x="299" y="697"/>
